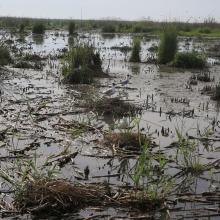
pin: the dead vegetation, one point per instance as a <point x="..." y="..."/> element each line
<point x="113" y="106"/>
<point x="126" y="140"/>
<point x="141" y="200"/>
<point x="57" y="196"/>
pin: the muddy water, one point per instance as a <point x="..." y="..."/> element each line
<point x="35" y="103"/>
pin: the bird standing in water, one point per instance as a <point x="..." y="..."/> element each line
<point x="126" y="81"/>
<point x="86" y="172"/>
<point x="111" y="91"/>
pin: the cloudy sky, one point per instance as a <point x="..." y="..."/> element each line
<point x="125" y="9"/>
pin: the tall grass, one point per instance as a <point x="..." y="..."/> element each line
<point x="168" y="46"/>
<point x="38" y="28"/>
<point x="5" y="57"/>
<point x="81" y="65"/>
<point x="71" y="28"/>
<point x="136" y="49"/>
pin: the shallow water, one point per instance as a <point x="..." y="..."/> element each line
<point x="29" y="95"/>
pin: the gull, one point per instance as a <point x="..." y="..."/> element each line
<point x="126" y="81"/>
<point x="110" y="91"/>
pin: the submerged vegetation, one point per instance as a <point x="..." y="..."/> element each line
<point x="81" y="65"/>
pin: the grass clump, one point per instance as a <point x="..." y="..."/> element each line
<point x="38" y="28"/>
<point x="39" y="192"/>
<point x="136" y="48"/>
<point x="71" y="28"/>
<point x="126" y="139"/>
<point x="5" y="57"/>
<point x="167" y="47"/>
<point x="149" y="176"/>
<point x="81" y="65"/>
<point x="56" y="196"/>
<point x="113" y="106"/>
<point x="187" y="155"/>
<point x="190" y="60"/>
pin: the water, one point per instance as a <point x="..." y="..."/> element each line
<point x="38" y="112"/>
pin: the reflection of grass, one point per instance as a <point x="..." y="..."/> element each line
<point x="213" y="91"/>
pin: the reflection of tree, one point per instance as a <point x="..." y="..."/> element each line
<point x="22" y="37"/>
<point x="108" y="36"/>
<point x="135" y="68"/>
<point x="38" y="39"/>
<point x="71" y="41"/>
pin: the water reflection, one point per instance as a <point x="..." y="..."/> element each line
<point x="135" y="68"/>
<point x="108" y="36"/>
<point x="38" y="39"/>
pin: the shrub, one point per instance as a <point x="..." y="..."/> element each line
<point x="167" y="47"/>
<point x="136" y="48"/>
<point x="189" y="60"/>
<point x="81" y="65"/>
<point x="38" y="28"/>
<point x="5" y="57"/>
<point x="71" y="28"/>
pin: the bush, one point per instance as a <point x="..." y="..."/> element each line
<point x="136" y="48"/>
<point x="167" y="47"/>
<point x="81" y="65"/>
<point x="189" y="60"/>
<point x="38" y="28"/>
<point x="71" y="28"/>
<point x="5" y="57"/>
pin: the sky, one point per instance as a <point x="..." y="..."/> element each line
<point x="184" y="10"/>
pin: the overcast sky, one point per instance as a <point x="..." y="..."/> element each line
<point x="125" y="9"/>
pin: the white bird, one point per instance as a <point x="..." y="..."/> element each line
<point x="126" y="81"/>
<point x="110" y="91"/>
